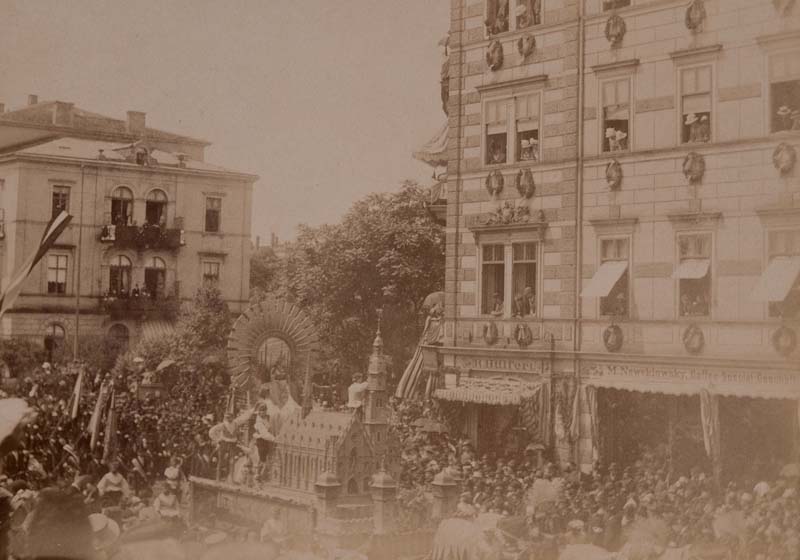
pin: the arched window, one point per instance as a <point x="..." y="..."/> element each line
<point x="119" y="276"/>
<point x="156" y="207"/>
<point x="121" y="206"/>
<point x="54" y="341"/>
<point x="119" y="333"/>
<point x="155" y="277"/>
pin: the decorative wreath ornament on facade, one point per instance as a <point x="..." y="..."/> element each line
<point x="694" y="167"/>
<point x="615" y="30"/>
<point x="494" y="183"/>
<point x="525" y="184"/>
<point x="784" y="157"/>
<point x="526" y="45"/>
<point x="693" y="339"/>
<point x="523" y="335"/>
<point x="784" y="340"/>
<point x="614" y="175"/>
<point x="494" y="55"/>
<point x="695" y="15"/>
<point x="490" y="333"/>
<point x="613" y="338"/>
<point x="783" y="6"/>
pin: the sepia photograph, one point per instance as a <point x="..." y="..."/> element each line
<point x="399" y="280"/>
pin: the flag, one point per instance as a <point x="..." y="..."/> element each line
<point x="13" y="285"/>
<point x="75" y="399"/>
<point x="97" y="415"/>
<point x="110" y="440"/>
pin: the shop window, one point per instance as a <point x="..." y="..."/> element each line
<point x="784" y="91"/>
<point x="617" y="254"/>
<point x="527" y="127"/>
<point x="492" y="279"/>
<point x="119" y="276"/>
<point x="213" y="212"/>
<point x="696" y="104"/>
<point x="60" y="200"/>
<point x="512" y="129"/>
<point x="211" y="272"/>
<point x="694" y="275"/>
<point x="616" y="114"/>
<point x="122" y="206"/>
<point x="615" y="4"/>
<point x="523" y="273"/>
<point x="155" y="275"/>
<point x="784" y="281"/>
<point x="57" y="274"/>
<point x="156" y="208"/>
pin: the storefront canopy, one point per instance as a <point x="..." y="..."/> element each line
<point x="777" y="280"/>
<point x="493" y="391"/>
<point x="604" y="279"/>
<point x="692" y="269"/>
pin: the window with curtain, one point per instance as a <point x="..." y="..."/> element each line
<point x="496" y="120"/>
<point x="526" y="117"/>
<point x="122" y="206"/>
<point x="155" y="275"/>
<point x="785" y="245"/>
<point x="616" y="114"/>
<point x="57" y="274"/>
<point x="616" y="302"/>
<point x="784" y="91"/>
<point x="694" y="275"/>
<point x="119" y="276"/>
<point x="492" y="279"/>
<point x="211" y="272"/>
<point x="213" y="214"/>
<point x="156" y="207"/>
<point x="696" y="104"/>
<point x="523" y="273"/>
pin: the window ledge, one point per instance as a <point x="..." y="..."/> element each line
<point x="477" y="224"/>
<point x="220" y="254"/>
<point x="697" y="54"/>
<point x="613" y="66"/>
<point x="615" y="225"/>
<point x="539" y="79"/>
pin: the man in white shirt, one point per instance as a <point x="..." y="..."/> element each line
<point x="226" y="436"/>
<point x="113" y="486"/>
<point x="264" y="441"/>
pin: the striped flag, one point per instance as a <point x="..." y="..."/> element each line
<point x="75" y="399"/>
<point x="110" y="439"/>
<point x="13" y="285"/>
<point x="97" y="415"/>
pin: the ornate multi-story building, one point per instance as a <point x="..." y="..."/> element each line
<point x="623" y="213"/>
<point x="151" y="222"/>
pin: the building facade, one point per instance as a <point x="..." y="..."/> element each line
<point x="623" y="213"/>
<point x="151" y="222"/>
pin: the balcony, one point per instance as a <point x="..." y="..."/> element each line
<point x="141" y="308"/>
<point x="142" y="238"/>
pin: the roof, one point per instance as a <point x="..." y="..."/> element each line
<point x="114" y="152"/>
<point x="316" y="429"/>
<point x="489" y="390"/>
<point x="42" y="114"/>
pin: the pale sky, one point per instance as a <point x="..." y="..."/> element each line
<point x="325" y="100"/>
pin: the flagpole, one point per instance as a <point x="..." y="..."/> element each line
<point x="78" y="274"/>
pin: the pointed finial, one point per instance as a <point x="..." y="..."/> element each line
<point x="378" y="343"/>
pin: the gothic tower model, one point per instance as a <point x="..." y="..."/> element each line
<point x="376" y="409"/>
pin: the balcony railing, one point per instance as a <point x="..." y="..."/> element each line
<point x="141" y="307"/>
<point x="143" y="238"/>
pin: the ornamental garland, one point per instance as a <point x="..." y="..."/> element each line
<point x="523" y="335"/>
<point x="693" y="339"/>
<point x="615" y="30"/>
<point x="614" y="175"/>
<point x="494" y="55"/>
<point x="494" y="183"/>
<point x="695" y="15"/>
<point x="525" y="183"/>
<point x="784" y="340"/>
<point x="526" y="45"/>
<point x="490" y="333"/>
<point x="784" y="157"/>
<point x="694" y="167"/>
<point x="613" y="338"/>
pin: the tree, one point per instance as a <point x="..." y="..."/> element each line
<point x="386" y="253"/>
<point x="266" y="271"/>
<point x="205" y="323"/>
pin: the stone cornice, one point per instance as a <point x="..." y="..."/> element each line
<point x="613" y="66"/>
<point x="779" y="40"/>
<point x="614" y="224"/>
<point x="702" y="53"/>
<point x="539" y="79"/>
<point x="695" y="218"/>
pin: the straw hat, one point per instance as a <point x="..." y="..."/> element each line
<point x="104" y="529"/>
<point x="691" y="118"/>
<point x="784" y="110"/>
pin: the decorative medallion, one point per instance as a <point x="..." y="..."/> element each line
<point x="693" y="339"/>
<point x="784" y="340"/>
<point x="494" y="55"/>
<point x="783" y="6"/>
<point x="614" y="175"/>
<point x="612" y="338"/>
<point x="784" y="157"/>
<point x="494" y="183"/>
<point x="526" y="186"/>
<point x="615" y="30"/>
<point x="526" y="45"/>
<point x="490" y="334"/>
<point x="695" y="15"/>
<point x="523" y="335"/>
<point x="694" y="167"/>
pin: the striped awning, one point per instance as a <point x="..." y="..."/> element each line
<point x="434" y="152"/>
<point x="493" y="391"/>
<point x="157" y="329"/>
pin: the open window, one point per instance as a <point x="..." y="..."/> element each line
<point x="156" y="208"/>
<point x="155" y="277"/>
<point x="784" y="91"/>
<point x="57" y="274"/>
<point x="122" y="206"/>
<point x="523" y="274"/>
<point x="213" y="214"/>
<point x="694" y="275"/>
<point x="496" y="131"/>
<point x="616" y="114"/>
<point x="610" y="282"/>
<point x="60" y="200"/>
<point x="513" y="129"/>
<point x="510" y="15"/>
<point x="526" y="118"/>
<point x="119" y="276"/>
<point x="779" y="285"/>
<point x="493" y="279"/>
<point x="696" y="104"/>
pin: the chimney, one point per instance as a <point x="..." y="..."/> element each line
<point x="136" y="122"/>
<point x="33" y="99"/>
<point x="62" y="116"/>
